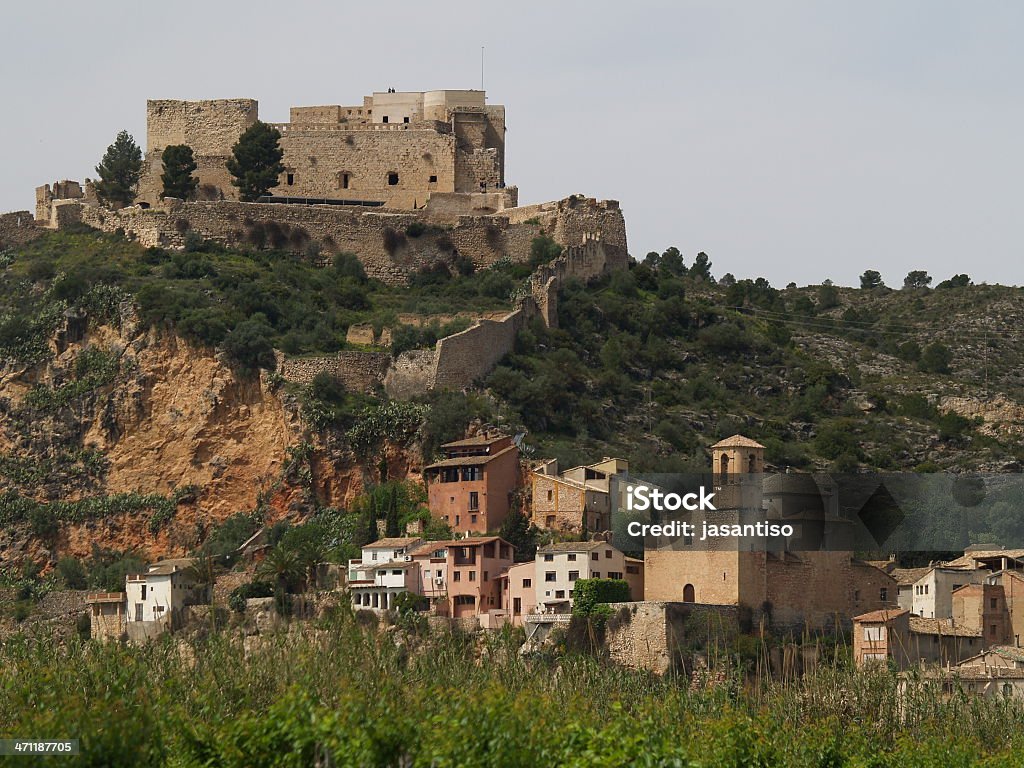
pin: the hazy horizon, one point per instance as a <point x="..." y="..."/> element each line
<point x="797" y="142"/>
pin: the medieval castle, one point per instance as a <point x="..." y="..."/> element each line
<point x="403" y="181"/>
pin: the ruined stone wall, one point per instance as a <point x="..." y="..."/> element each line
<point x="412" y="373"/>
<point x="465" y="357"/>
<point x="18" y="228"/>
<point x="358" y="371"/>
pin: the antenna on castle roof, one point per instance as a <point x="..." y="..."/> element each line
<point x="481" y="68"/>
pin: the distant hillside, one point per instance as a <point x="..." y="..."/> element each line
<point x="656" y="365"/>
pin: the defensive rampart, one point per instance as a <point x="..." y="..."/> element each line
<point x="387" y="242"/>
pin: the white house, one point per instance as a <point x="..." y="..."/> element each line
<point x="385" y="569"/>
<point x="932" y="596"/>
<point x="560" y="565"/>
<point x="157" y="598"/>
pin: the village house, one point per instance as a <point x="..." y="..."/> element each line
<point x="107" y="615"/>
<point x="982" y="607"/>
<point x="474" y="566"/>
<point x="471" y="488"/>
<point x="153" y="602"/>
<point x="933" y="590"/>
<point x="908" y="640"/>
<point x="577" y="500"/>
<point x="385" y="569"/>
<point x="559" y="565"/>
<point x="520" y="594"/>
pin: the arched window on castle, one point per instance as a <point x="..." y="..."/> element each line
<point x="344" y="179"/>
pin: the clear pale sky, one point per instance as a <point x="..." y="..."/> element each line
<point x="791" y="140"/>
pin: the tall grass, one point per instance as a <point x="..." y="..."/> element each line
<point x="337" y="693"/>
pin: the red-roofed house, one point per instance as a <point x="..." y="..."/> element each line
<point x="471" y="487"/>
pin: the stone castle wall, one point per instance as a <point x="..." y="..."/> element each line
<point x="358" y="371"/>
<point x="377" y="237"/>
<point x="210" y="127"/>
<point x="459" y="360"/>
<point x="18" y="228"/>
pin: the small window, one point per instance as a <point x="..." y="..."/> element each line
<point x="571" y="557"/>
<point x="573" y="575"/>
<point x="595" y="556"/>
<point x="458" y="576"/>
<point x="384" y="119"/>
<point x="549" y="576"/>
<point x="614" y="574"/>
<point x="343" y="180"/>
<point x="527" y="583"/>
<point x="607" y="554"/>
<point x="433" y="180"/>
<point x="405" y="119"/>
<point x="549" y="558"/>
<point x="549" y="521"/>
<point x="559" y="594"/>
<point x="472" y="575"/>
<point x="856" y="594"/>
<point x="994" y="602"/>
<point x="474" y="500"/>
<point x="883" y="594"/>
<point x="392" y="179"/>
<point x="291" y="179"/>
<point x="872" y="634"/>
<point x="597" y="575"/>
<point x="992" y="630"/>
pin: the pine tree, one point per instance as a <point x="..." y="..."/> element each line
<point x="119" y="172"/>
<point x="255" y="161"/>
<point x="177" y="177"/>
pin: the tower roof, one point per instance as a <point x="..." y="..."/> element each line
<point x="737" y="441"/>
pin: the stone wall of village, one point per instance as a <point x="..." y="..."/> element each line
<point x="651" y="635"/>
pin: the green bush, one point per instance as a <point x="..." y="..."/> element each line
<point x="72" y="573"/>
<point x="238" y="596"/>
<point x="588" y="595"/>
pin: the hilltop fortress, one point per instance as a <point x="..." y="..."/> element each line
<point x="367" y="179"/>
<point x="404" y="181"/>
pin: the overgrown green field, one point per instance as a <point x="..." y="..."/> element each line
<point x="351" y="696"/>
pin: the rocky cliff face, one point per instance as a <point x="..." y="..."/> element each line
<point x="122" y="410"/>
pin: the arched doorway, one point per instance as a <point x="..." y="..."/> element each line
<point x="688" y="594"/>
